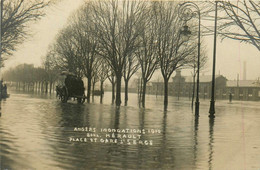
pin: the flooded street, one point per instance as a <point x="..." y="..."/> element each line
<point x="38" y="132"/>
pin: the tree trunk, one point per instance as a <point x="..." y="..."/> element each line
<point x="101" y="90"/>
<point x="113" y="92"/>
<point x="42" y="86"/>
<point x="53" y="86"/>
<point x="144" y="91"/>
<point x="140" y="91"/>
<point x="33" y="84"/>
<point x="93" y="89"/>
<point x="24" y="86"/>
<point x="89" y="89"/>
<point x="118" y="89"/>
<point x="50" y="87"/>
<point x="46" y="87"/>
<point x="36" y="86"/>
<point x="165" y="93"/>
<point x="126" y="91"/>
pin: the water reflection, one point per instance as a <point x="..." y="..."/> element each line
<point x="195" y="147"/>
<point x="211" y="141"/>
<point x="141" y="148"/>
<point x="35" y="133"/>
<point x="72" y="115"/>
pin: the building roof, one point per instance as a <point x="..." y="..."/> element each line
<point x="203" y="78"/>
<point x="243" y="83"/>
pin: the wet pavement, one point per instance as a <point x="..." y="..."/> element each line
<point x="37" y="131"/>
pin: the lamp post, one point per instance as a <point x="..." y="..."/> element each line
<point x="212" y="101"/>
<point x="186" y="13"/>
<point x="1" y="16"/>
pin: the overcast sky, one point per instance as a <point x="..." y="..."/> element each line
<point x="231" y="54"/>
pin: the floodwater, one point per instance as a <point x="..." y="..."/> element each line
<point x="40" y="132"/>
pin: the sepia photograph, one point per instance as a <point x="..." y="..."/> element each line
<point x="129" y="84"/>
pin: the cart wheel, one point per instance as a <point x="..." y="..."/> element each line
<point x="64" y="99"/>
<point x="81" y="100"/>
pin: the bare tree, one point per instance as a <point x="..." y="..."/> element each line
<point x="117" y="28"/>
<point x="241" y="21"/>
<point x="95" y="77"/>
<point x="131" y="67"/>
<point x="102" y="75"/>
<point x="68" y="53"/>
<point x="193" y="64"/>
<point x="147" y="53"/>
<point x="237" y="20"/>
<point x="16" y="15"/>
<point x="51" y="70"/>
<point x="86" y="42"/>
<point x="173" y="51"/>
<point x="111" y="77"/>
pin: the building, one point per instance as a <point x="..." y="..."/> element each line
<point x="244" y="89"/>
<point x="182" y="86"/>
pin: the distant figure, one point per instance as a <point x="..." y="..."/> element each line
<point x="230" y="97"/>
<point x="1" y="84"/>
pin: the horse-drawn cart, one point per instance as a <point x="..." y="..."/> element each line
<point x="73" y="88"/>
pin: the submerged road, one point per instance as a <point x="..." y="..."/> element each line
<point x="39" y="132"/>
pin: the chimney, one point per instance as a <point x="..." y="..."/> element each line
<point x="244" y="72"/>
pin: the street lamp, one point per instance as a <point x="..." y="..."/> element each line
<point x="186" y="13"/>
<point x="1" y="16"/>
<point x="212" y="101"/>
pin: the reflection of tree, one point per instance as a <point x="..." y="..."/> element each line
<point x="211" y="141"/>
<point x="163" y="149"/>
<point x="114" y="150"/>
<point x="140" y="153"/>
<point x="117" y="118"/>
<point x="72" y="115"/>
<point x="63" y="151"/>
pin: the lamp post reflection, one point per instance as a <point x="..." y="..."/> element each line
<point x="211" y="141"/>
<point x="196" y="129"/>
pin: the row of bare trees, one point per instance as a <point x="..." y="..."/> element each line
<point x="113" y="39"/>
<point x="29" y="78"/>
